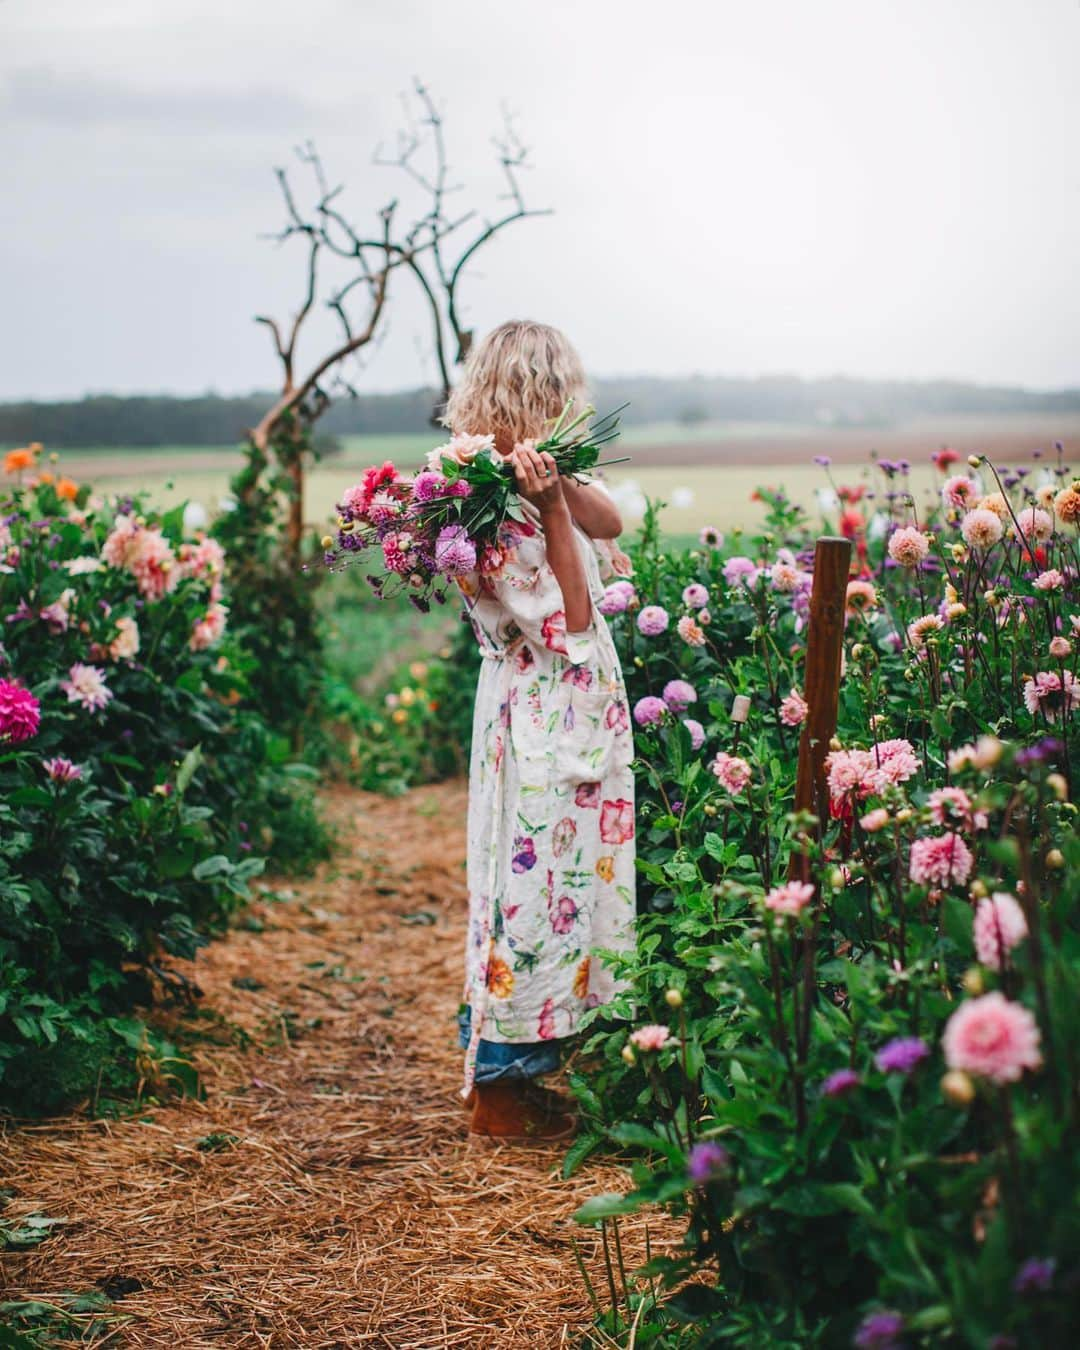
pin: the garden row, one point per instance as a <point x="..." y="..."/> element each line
<point x="141" y="787"/>
<point x="860" y="1091"/>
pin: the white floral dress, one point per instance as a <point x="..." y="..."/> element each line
<point x="551" y="802"/>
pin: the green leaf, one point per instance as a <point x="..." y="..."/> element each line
<point x="578" y="1151"/>
<point x="610" y="1205"/>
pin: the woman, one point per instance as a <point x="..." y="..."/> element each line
<point x="551" y="794"/>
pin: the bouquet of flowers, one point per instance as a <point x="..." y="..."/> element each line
<point x="446" y="520"/>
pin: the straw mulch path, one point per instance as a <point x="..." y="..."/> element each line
<point x="325" y="1193"/>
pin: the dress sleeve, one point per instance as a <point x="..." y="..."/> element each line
<point x="527" y="592"/>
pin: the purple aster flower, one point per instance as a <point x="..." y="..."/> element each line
<point x="455" y="552"/>
<point x="653" y="620"/>
<point x="679" y="694"/>
<point x="707" y="1162"/>
<point x="823" y="461"/>
<point x="676" y="806"/>
<point x="648" y="710"/>
<point x="840" y="1083"/>
<point x="879" y="1331"/>
<point x="1035" y="1276"/>
<point x="697" y="732"/>
<point x="901" y="1055"/>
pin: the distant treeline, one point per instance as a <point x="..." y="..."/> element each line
<point x="107" y="420"/>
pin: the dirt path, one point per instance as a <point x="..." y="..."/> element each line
<point x="325" y="1193"/>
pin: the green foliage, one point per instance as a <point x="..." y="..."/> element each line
<point x="915" y="1186"/>
<point x="134" y="816"/>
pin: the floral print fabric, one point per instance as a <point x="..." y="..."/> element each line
<point x="551" y="801"/>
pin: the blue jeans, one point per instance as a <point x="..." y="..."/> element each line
<point x="498" y="1061"/>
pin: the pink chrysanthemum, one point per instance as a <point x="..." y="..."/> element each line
<point x="981" y="528"/>
<point x="455" y="552"/>
<point x="922" y="628"/>
<point x="20" y="713"/>
<point x="427" y="485"/>
<point x="153" y="565"/>
<point x="999" y="927"/>
<point x="617" y="598"/>
<point x="732" y="772"/>
<point x="895" y="762"/>
<point x="1051" y="694"/>
<point x="908" y="546"/>
<point x="650" y="1038"/>
<point x="993" y="1038"/>
<point x="851" y="773"/>
<point x="940" y="860"/>
<point x="794" y="709"/>
<point x="649" y="710"/>
<point x="953" y="806"/>
<point x="86" y="686"/>
<point x="790" y="898"/>
<point x="691" y="633"/>
<point x="785" y="577"/>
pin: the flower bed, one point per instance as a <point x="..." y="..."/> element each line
<point x="857" y="1085"/>
<point x="137" y="794"/>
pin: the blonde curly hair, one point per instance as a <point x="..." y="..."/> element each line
<point x="516" y="381"/>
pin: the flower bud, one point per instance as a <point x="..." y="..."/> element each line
<point x="974" y="984"/>
<point x="857" y="651"/>
<point x="991" y="598"/>
<point x="673" y="998"/>
<point x="837" y="879"/>
<point x="978" y="890"/>
<point x="904" y="815"/>
<point x="1058" y="786"/>
<point x="974" y="460"/>
<point x="1055" y="859"/>
<point x="327" y="541"/>
<point x="638" y="662"/>
<point x="957" y="1089"/>
<point x="628" y="1054"/>
<point x="709" y="809"/>
<point x="835" y="743"/>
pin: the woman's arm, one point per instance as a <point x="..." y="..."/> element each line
<point x="538" y="481"/>
<point x="592" y="508"/>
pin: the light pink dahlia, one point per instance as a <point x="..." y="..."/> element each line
<point x="993" y="1038"/>
<point x="908" y="546"/>
<point x="999" y="927"/>
<point x="1051" y="694"/>
<point x="86" y="686"/>
<point x="691" y="633"/>
<point x="790" y="898"/>
<point x="732" y="773"/>
<point x="650" y="1038"/>
<point x="940" y="860"/>
<point x="794" y="709"/>
<point x="981" y="528"/>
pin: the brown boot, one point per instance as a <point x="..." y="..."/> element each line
<point x="516" y="1110"/>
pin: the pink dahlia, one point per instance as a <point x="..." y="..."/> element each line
<point x="427" y="485"/>
<point x="740" y="571"/>
<point x="875" y="820"/>
<point x="794" y="709"/>
<point x="653" y="620"/>
<point x="850" y="773"/>
<point x="209" y="629"/>
<point x="981" y="528"/>
<point x="999" y="927"/>
<point x="153" y="565"/>
<point x="679" y="694"/>
<point x="62" y="770"/>
<point x="861" y="596"/>
<point x="695" y="596"/>
<point x="1035" y="524"/>
<point x="617" y="598"/>
<point x="790" y="898"/>
<point x="455" y="552"/>
<point x="953" y="806"/>
<point x="649" y="710"/>
<point x="1051" y="694"/>
<point x="697" y="732"/>
<point x="650" y="1038"/>
<point x="993" y="1038"/>
<point x="785" y="577"/>
<point x="940" y="860"/>
<point x="86" y="686"/>
<point x="710" y="537"/>
<point x="20" y="713"/>
<point x="1050" y="580"/>
<point x="895" y="762"/>
<point x="732" y="773"/>
<point x="959" y="491"/>
<point x="908" y="546"/>
<point x="118" y="548"/>
<point x="1060" y="648"/>
<point x="691" y="633"/>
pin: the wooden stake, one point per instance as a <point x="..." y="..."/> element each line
<point x="824" y="650"/>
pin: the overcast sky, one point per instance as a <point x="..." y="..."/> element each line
<point x="872" y="187"/>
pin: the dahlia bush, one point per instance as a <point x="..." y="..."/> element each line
<point x="855" y="1080"/>
<point x="138" y="795"/>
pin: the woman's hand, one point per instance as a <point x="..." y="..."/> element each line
<point x="537" y="477"/>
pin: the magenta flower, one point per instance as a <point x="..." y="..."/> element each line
<point x="1035" y="1276"/>
<point x="427" y="485"/>
<point x="679" y="694"/>
<point x="902" y="1055"/>
<point x="62" y="770"/>
<point x="653" y="620"/>
<point x="20" y="713"/>
<point x="840" y="1083"/>
<point x="649" y="710"/>
<point x="564" y="915"/>
<point x="708" y="1161"/>
<point x="879" y="1331"/>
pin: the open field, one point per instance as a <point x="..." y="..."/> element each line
<point x="721" y="465"/>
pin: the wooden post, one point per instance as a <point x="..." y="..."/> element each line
<point x="824" y="649"/>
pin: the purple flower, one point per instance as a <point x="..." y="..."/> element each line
<point x="707" y="1162"/>
<point x="695" y="596"/>
<point x="823" y="461"/>
<point x="879" y="1331"/>
<point x="455" y="552"/>
<point x="648" y="710"/>
<point x="697" y="732"/>
<point x="678" y="695"/>
<point x="840" y="1083"/>
<point x="653" y="620"/>
<point x="1035" y="1276"/>
<point x="617" y="598"/>
<point x="901" y="1055"/>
